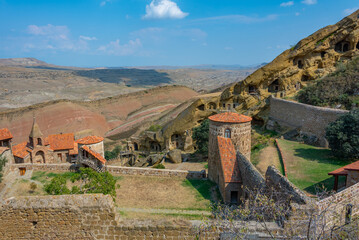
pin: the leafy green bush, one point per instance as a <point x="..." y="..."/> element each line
<point x="159" y="166"/>
<point x="2" y="165"/>
<point x="343" y="136"/>
<point x="114" y="153"/>
<point x="200" y="136"/>
<point x="155" y="128"/>
<point x="88" y="181"/>
<point x="340" y="87"/>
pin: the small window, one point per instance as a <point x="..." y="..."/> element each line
<point x="59" y="155"/>
<point x="227" y="133"/>
<point x="300" y="64"/>
<point x="39" y="141"/>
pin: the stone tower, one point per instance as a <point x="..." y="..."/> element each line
<point x="228" y="125"/>
<point x="36" y="136"/>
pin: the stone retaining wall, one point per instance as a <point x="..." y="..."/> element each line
<point x="310" y="120"/>
<point x="116" y="170"/>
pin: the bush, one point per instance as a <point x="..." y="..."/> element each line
<point x="2" y="165"/>
<point x="200" y="136"/>
<point x="155" y="128"/>
<point x="114" y="153"/>
<point x="33" y="187"/>
<point x="159" y="166"/>
<point x="89" y="181"/>
<point x="343" y="135"/>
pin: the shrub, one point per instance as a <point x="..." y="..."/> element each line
<point x="3" y="161"/>
<point x="343" y="135"/>
<point x="114" y="153"/>
<point x="200" y="135"/>
<point x="159" y="166"/>
<point x="33" y="187"/>
<point x="155" y="128"/>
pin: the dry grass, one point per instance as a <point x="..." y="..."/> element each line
<point x="168" y="217"/>
<point x="152" y="192"/>
<point x="21" y="187"/>
<point x="268" y="156"/>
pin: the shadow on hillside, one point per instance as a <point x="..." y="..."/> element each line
<point x="318" y="155"/>
<point x="129" y="77"/>
<point x="325" y="185"/>
<point x="202" y="186"/>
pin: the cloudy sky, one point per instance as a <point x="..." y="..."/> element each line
<point x="97" y="33"/>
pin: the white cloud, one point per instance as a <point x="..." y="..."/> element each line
<point x="50" y="37"/>
<point x="103" y="3"/>
<point x="240" y="18"/>
<point x="287" y="4"/>
<point x="162" y="9"/>
<point x="88" y="38"/>
<point x="115" y="48"/>
<point x="309" y="2"/>
<point x="349" y="11"/>
<point x="297" y="14"/>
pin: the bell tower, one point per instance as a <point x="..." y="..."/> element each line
<point x="36" y="136"/>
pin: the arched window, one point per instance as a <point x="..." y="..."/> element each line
<point x="227" y="133"/>
<point x="39" y="141"/>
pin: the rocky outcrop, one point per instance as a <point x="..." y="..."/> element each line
<point x="175" y="156"/>
<point x="312" y="58"/>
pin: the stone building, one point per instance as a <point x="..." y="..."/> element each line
<point x="5" y="144"/>
<point x="351" y="174"/>
<point x="59" y="148"/>
<point x="228" y="133"/>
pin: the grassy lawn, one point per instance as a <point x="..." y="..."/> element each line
<point x="163" y="193"/>
<point x="308" y="166"/>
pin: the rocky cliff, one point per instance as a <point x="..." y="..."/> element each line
<point x="312" y="58"/>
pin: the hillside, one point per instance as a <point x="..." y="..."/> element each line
<point x="27" y="81"/>
<point x="124" y="112"/>
<point x="337" y="90"/>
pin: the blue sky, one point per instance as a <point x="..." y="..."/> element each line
<point x="97" y="33"/>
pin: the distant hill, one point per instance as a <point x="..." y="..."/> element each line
<point x="203" y="66"/>
<point x="22" y="62"/>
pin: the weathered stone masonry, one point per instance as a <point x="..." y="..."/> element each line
<point x="310" y="120"/>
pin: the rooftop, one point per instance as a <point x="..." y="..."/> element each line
<point x="344" y="170"/>
<point x="20" y="150"/>
<point x="228" y="159"/>
<point x="5" y="134"/>
<point x="230" y="117"/>
<point x="61" y="141"/>
<point x="94" y="154"/>
<point x="90" y="140"/>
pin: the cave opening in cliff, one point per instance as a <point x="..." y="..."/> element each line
<point x="252" y="89"/>
<point x="322" y="54"/>
<point x="274" y="86"/>
<point x="201" y="107"/>
<point x="212" y="105"/>
<point x="345" y="47"/>
<point x="358" y="45"/>
<point x="305" y="78"/>
<point x="300" y="64"/>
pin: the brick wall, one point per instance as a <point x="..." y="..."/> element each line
<point x="116" y="170"/>
<point x="81" y="217"/>
<point x="309" y="119"/>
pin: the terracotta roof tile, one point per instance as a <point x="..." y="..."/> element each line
<point x="228" y="160"/>
<point x="20" y="150"/>
<point x="74" y="151"/>
<point x="5" y="134"/>
<point x="94" y="154"/>
<point x="344" y="170"/>
<point x="61" y="141"/>
<point x="3" y="149"/>
<point x="230" y="117"/>
<point x="90" y="140"/>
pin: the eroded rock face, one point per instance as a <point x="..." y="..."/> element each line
<point x="312" y="58"/>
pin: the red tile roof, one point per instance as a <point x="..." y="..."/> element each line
<point x="20" y="150"/>
<point x="61" y="141"/>
<point x="5" y="134"/>
<point x="344" y="170"/>
<point x="90" y="140"/>
<point x="3" y="149"/>
<point x="230" y="117"/>
<point x="74" y="151"/>
<point x="228" y="160"/>
<point x="94" y="154"/>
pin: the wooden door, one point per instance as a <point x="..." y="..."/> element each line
<point x="22" y="171"/>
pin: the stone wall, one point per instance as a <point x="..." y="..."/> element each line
<point x="81" y="217"/>
<point x="310" y="120"/>
<point x="116" y="170"/>
<point x="252" y="179"/>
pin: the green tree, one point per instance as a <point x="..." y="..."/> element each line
<point x="3" y="161"/>
<point x="114" y="153"/>
<point x="343" y="135"/>
<point x="87" y="181"/>
<point x="200" y="135"/>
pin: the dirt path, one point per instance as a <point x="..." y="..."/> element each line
<point x="165" y="211"/>
<point x="268" y="156"/>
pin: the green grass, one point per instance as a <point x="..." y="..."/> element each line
<point x="308" y="166"/>
<point x="202" y="189"/>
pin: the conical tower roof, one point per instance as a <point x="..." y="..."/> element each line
<point x="35" y="130"/>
